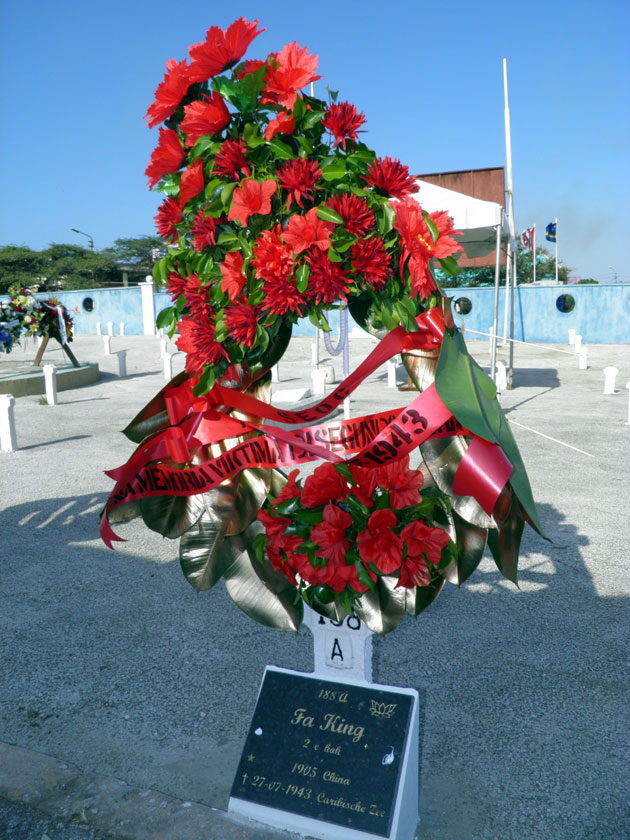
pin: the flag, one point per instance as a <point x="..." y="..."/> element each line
<point x="550" y="232"/>
<point x="527" y="238"/>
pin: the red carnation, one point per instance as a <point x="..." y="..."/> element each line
<point x="328" y="280"/>
<point x="168" y="215"/>
<point x="169" y="93"/>
<point x="250" y="198"/>
<point x="230" y="161"/>
<point x="357" y="217"/>
<point x="379" y="544"/>
<point x="272" y="257"/>
<point x="298" y="177"/>
<point x="221" y="49"/>
<point x="176" y="285"/>
<point x="423" y="543"/>
<point x="330" y="535"/>
<point x="192" y="182"/>
<point x="203" y="231"/>
<point x="233" y="279"/>
<point x="209" y="116"/>
<point x="290" y="489"/>
<point x="240" y="322"/>
<point x="284" y="123"/>
<point x="196" y="297"/>
<point x="196" y="339"/>
<point x="323" y="486"/>
<point x="303" y="232"/>
<point x="392" y="177"/>
<point x="290" y="70"/>
<point x="281" y="296"/>
<point x="370" y="259"/>
<point x="343" y="121"/>
<point x="166" y="158"/>
<point x="275" y="526"/>
<point x="402" y="483"/>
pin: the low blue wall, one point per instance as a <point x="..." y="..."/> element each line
<point x="601" y="313"/>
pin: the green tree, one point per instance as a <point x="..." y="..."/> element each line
<point x="137" y="253"/>
<point x="20" y="265"/>
<point x="484" y="275"/>
<point x="74" y="267"/>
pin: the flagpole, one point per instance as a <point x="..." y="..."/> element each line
<point x="508" y="154"/>
<point x="556" y="251"/>
<point x="534" y="250"/>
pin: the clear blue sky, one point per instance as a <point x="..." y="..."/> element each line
<point x="77" y="78"/>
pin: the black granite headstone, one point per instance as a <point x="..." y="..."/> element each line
<point x="325" y="750"/>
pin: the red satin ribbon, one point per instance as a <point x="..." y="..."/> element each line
<point x="482" y="473"/>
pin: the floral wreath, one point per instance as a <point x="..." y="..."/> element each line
<point x="275" y="210"/>
<point x="32" y="316"/>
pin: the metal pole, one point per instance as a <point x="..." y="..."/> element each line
<point x="534" y="251"/>
<point x="556" y="251"/>
<point x="508" y="154"/>
<point x="497" y="271"/>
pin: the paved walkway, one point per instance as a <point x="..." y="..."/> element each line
<point x="125" y="698"/>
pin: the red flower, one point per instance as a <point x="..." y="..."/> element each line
<point x="330" y="535"/>
<point x="323" y="486"/>
<point x="169" y="93"/>
<point x="284" y="123"/>
<point x="279" y="562"/>
<point x="379" y="544"/>
<point x="240" y="322"/>
<point x="166" y="158"/>
<point x="251" y="65"/>
<point x="221" y="49"/>
<point x="250" y="198"/>
<point x="423" y="543"/>
<point x="291" y="69"/>
<point x="302" y="232"/>
<point x="176" y="285"/>
<point x="290" y="489"/>
<point x="204" y="117"/>
<point x="275" y="526"/>
<point x="343" y="121"/>
<point x="203" y="231"/>
<point x="196" y="297"/>
<point x="328" y="279"/>
<point x="192" y="182"/>
<point x="418" y="245"/>
<point x="358" y="219"/>
<point x="370" y="259"/>
<point x="366" y="481"/>
<point x="230" y="161"/>
<point x="402" y="483"/>
<point x="298" y="177"/>
<point x="168" y="215"/>
<point x="233" y="279"/>
<point x="196" y="339"/>
<point x="392" y="177"/>
<point x="281" y="296"/>
<point x="272" y="257"/>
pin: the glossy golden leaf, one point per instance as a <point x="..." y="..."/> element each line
<point x="418" y="599"/>
<point x="171" y="516"/>
<point x="382" y="608"/>
<point x="199" y="554"/>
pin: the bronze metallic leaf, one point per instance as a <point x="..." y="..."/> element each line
<point x="199" y="554"/>
<point x="171" y="516"/>
<point x="382" y="608"/>
<point x="124" y="513"/>
<point x="154" y="416"/>
<point x="421" y="366"/>
<point x="471" y="544"/>
<point x="262" y="593"/>
<point x="418" y="599"/>
<point x="505" y="542"/>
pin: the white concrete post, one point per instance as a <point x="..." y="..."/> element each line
<point x="318" y="377"/>
<point x="313" y="355"/>
<point x="98" y="328"/>
<point x="162" y="347"/>
<point x="110" y="328"/>
<point x="341" y="649"/>
<point x="610" y="374"/>
<point x="148" y="305"/>
<point x="391" y="373"/>
<point x="583" y="358"/>
<point x="122" y="327"/>
<point x="107" y="345"/>
<point x="275" y="374"/>
<point x="571" y="336"/>
<point x="38" y="341"/>
<point x="168" y="365"/>
<point x="122" y="363"/>
<point x="8" y="439"/>
<point x="346" y="408"/>
<point x="50" y="380"/>
<point x="577" y="343"/>
<point x="501" y="377"/>
<point x="160" y="332"/>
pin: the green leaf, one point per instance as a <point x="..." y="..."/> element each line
<point x="252" y="136"/>
<point x="333" y="168"/>
<point x="385" y="215"/>
<point x="301" y="277"/>
<point x="363" y="576"/>
<point x="281" y="150"/>
<point x="432" y="227"/>
<point x="333" y="255"/>
<point x="226" y="193"/>
<point x="165" y="318"/>
<point x="328" y="215"/>
<point x="299" y="108"/>
<point x="450" y="266"/>
<point x="469" y="394"/>
<point x="205" y="383"/>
